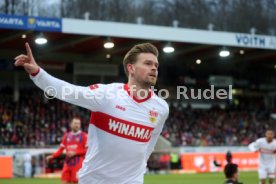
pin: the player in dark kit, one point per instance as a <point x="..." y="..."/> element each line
<point x="231" y="174"/>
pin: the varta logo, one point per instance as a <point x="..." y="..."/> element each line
<point x="48" y="23"/>
<point x="11" y="21"/>
<point x="44" y="23"/>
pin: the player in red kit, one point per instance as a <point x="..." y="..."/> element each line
<point x="75" y="145"/>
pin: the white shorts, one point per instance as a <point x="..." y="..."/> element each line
<point x="268" y="172"/>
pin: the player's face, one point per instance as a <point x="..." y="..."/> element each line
<point x="269" y="135"/>
<point x="144" y="70"/>
<point x="75" y="125"/>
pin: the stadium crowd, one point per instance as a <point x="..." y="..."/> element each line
<point x="215" y="126"/>
<point x="34" y="121"/>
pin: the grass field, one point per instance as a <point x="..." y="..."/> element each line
<point x="206" y="178"/>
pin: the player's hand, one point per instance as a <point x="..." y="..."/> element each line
<point x="27" y="61"/>
<point x="71" y="154"/>
<point x="48" y="158"/>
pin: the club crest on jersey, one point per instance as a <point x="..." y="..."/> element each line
<point x="153" y="115"/>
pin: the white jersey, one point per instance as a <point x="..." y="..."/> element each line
<point x="122" y="132"/>
<point x="267" y="152"/>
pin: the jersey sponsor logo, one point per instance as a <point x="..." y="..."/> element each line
<point x="120" y="127"/>
<point x="73" y="146"/>
<point x="266" y="151"/>
<point x="130" y="130"/>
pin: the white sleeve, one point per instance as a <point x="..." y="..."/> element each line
<point x="254" y="146"/>
<point x="91" y="98"/>
<point x="155" y="134"/>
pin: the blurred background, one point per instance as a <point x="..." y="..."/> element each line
<point x="84" y="42"/>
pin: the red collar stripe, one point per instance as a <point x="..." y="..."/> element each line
<point x="126" y="88"/>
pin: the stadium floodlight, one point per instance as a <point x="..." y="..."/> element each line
<point x="224" y="52"/>
<point x="168" y="48"/>
<point x="40" y="39"/>
<point x="108" y="56"/>
<point x="108" y="44"/>
<point x="198" y="61"/>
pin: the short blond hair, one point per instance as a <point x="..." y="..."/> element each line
<point x="131" y="56"/>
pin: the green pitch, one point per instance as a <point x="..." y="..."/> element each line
<point x="210" y="178"/>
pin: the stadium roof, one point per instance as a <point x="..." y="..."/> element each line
<point x="83" y="48"/>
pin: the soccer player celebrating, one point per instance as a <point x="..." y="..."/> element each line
<point x="75" y="145"/>
<point x="267" y="147"/>
<point x="126" y="119"/>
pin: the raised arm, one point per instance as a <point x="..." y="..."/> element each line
<point x="27" y="61"/>
<point x="77" y="95"/>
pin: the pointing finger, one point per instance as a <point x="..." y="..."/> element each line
<point x="29" y="51"/>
